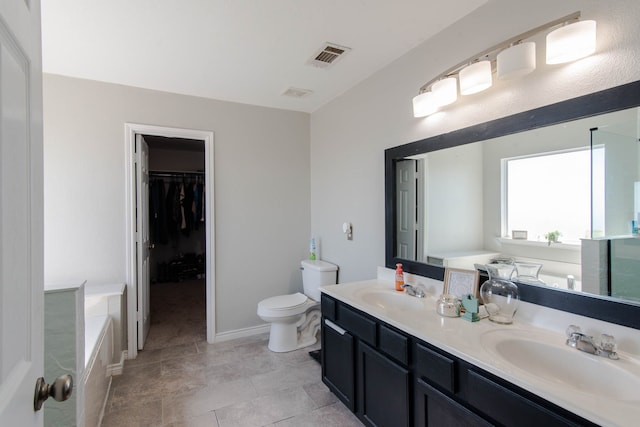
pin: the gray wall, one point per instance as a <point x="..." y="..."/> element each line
<point x="267" y="201"/>
<point x="262" y="190"/>
<point x="349" y="135"/>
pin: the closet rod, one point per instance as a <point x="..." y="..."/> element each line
<point x="171" y="174"/>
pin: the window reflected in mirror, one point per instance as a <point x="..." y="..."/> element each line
<point x="548" y="196"/>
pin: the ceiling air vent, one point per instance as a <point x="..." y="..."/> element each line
<point x="328" y="55"/>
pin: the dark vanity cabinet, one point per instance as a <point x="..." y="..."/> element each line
<point x="384" y="389"/>
<point x="388" y="378"/>
<point x="434" y="408"/>
<point x="508" y="405"/>
<point x="365" y="363"/>
<point x="338" y="364"/>
<point x="436" y="383"/>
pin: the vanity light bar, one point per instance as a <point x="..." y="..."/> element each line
<point x="574" y="39"/>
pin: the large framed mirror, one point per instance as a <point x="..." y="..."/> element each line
<point x="556" y="187"/>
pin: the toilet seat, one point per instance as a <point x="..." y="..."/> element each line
<point x="284" y="305"/>
<point x="282" y="302"/>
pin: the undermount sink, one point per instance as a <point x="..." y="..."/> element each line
<point x="391" y="300"/>
<point x="557" y="363"/>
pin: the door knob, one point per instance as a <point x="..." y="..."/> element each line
<point x="151" y="245"/>
<point x="60" y="390"/>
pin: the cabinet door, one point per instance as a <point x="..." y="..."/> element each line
<point x="338" y="371"/>
<point x="383" y="390"/>
<point x="510" y="408"/>
<point x="435" y="409"/>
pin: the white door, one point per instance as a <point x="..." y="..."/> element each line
<point x="143" y="244"/>
<point x="21" y="212"/>
<point x="406" y="209"/>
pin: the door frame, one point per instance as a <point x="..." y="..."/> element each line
<point x="131" y="129"/>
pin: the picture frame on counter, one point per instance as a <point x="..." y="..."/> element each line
<point x="519" y="235"/>
<point x="460" y="282"/>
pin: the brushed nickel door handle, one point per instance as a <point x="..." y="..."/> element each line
<point x="60" y="390"/>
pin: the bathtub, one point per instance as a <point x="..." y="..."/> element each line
<point x="560" y="282"/>
<point x="83" y="337"/>
<point x="98" y="332"/>
<point x="103" y="351"/>
<point x="110" y="300"/>
<point x="64" y="350"/>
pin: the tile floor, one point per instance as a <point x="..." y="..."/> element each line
<point x="181" y="380"/>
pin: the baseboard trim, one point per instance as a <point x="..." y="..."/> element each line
<point x="116" y="368"/>
<point x="242" y="333"/>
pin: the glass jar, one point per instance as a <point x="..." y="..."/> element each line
<point x="499" y="294"/>
<point x="448" y="306"/>
<point x="527" y="272"/>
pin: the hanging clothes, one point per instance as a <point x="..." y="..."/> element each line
<point x="177" y="208"/>
<point x="187" y="203"/>
<point x="172" y="209"/>
<point x="157" y="212"/>
<point x="194" y="206"/>
<point x="199" y="208"/>
<point x="183" y="221"/>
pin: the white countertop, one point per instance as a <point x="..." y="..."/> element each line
<point x="463" y="339"/>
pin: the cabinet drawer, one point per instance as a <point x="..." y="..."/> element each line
<point x="394" y="344"/>
<point x="435" y="368"/>
<point x="357" y="324"/>
<point x="328" y="307"/>
<point x="506" y="407"/>
<point x="435" y="409"/>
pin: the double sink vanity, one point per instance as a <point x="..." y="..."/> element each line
<point x="394" y="361"/>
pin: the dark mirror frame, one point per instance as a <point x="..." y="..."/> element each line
<point x="606" y="101"/>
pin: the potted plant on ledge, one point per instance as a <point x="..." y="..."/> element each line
<point x="552" y="237"/>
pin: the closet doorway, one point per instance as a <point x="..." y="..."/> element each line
<point x="171" y="259"/>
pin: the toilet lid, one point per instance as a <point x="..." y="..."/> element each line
<point x="284" y="302"/>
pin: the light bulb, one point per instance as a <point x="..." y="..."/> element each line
<point x="571" y="42"/>
<point x="475" y="77"/>
<point x="516" y="61"/>
<point x="445" y="91"/>
<point x="424" y="104"/>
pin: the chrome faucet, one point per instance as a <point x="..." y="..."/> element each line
<point x="583" y="342"/>
<point x="414" y="291"/>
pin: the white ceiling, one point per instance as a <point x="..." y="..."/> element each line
<point x="248" y="51"/>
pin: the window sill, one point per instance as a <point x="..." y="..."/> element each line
<point x="531" y="243"/>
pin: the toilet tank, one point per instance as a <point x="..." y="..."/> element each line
<point x="317" y="273"/>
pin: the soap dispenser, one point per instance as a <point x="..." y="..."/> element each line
<point x="399" y="277"/>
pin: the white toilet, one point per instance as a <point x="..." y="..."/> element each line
<point x="295" y="318"/>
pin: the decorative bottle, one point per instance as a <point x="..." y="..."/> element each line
<point x="399" y="277"/>
<point x="312" y="249"/>
<point x="499" y="294"/>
